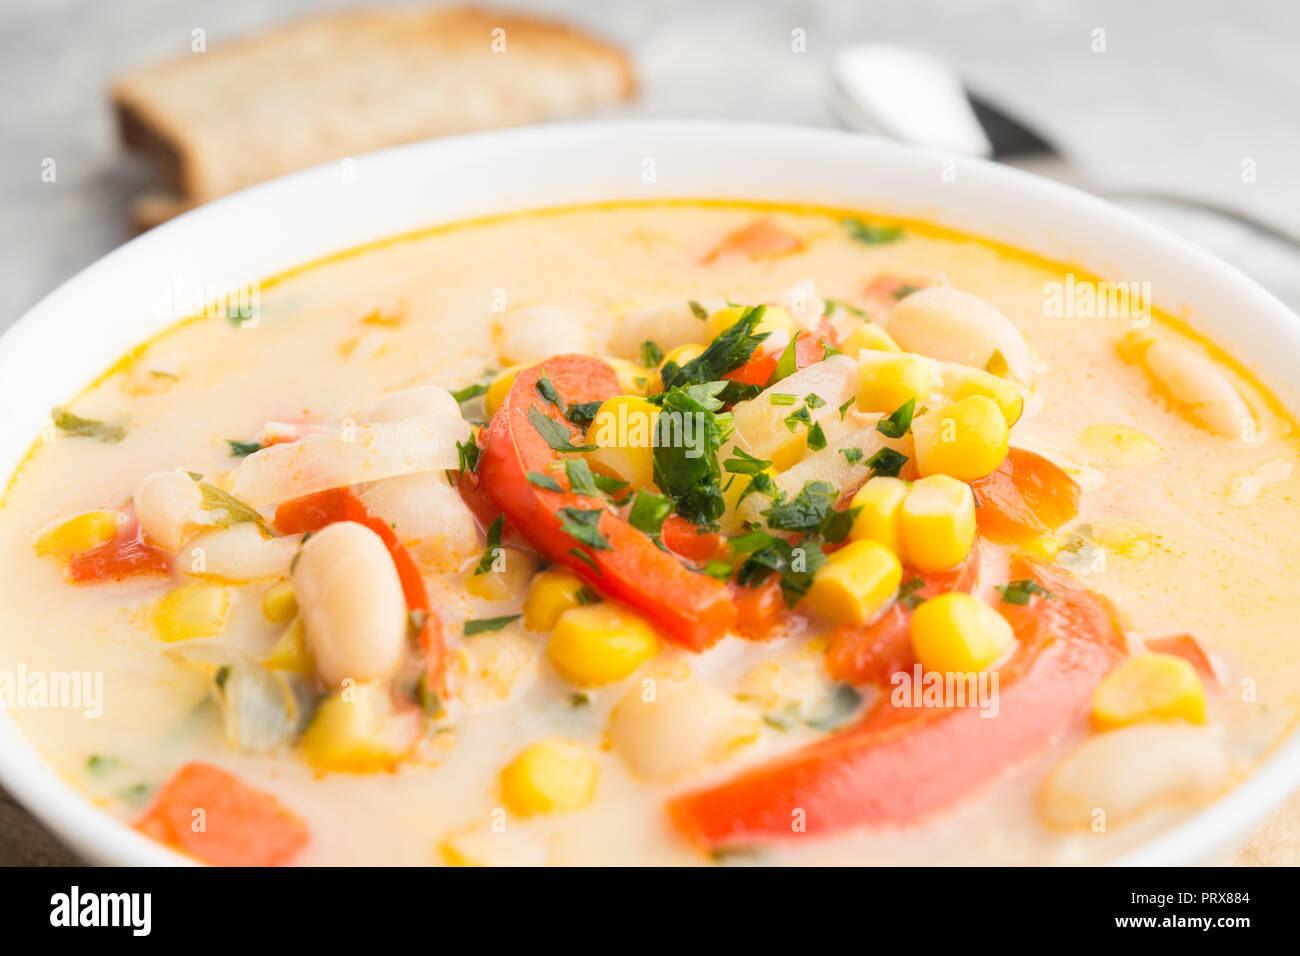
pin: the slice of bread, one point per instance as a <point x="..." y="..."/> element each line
<point x="343" y="84"/>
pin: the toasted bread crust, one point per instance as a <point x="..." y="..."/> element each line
<point x="337" y="85"/>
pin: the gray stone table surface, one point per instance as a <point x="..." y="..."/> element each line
<point x="1185" y="92"/>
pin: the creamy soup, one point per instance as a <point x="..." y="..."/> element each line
<point x="659" y="533"/>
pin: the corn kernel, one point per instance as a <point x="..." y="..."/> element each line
<point x="855" y="583"/>
<point x="478" y="845"/>
<point x="966" y="439"/>
<point x="774" y="320"/>
<point x="955" y="633"/>
<point x="623" y="431"/>
<point x="290" y="651"/>
<point x="508" y="576"/>
<point x="1149" y="687"/>
<point x="963" y="381"/>
<point x="936" y="523"/>
<point x="80" y="534"/>
<point x="886" y="380"/>
<point x="354" y="731"/>
<point x="500" y="388"/>
<point x="600" y="644"/>
<point x="278" y="603"/>
<point x="632" y="378"/>
<point x="868" y="335"/>
<point x="550" y="776"/>
<point x="550" y="595"/>
<point x="1118" y="445"/>
<point x="880" y="500"/>
<point x="192" y="610"/>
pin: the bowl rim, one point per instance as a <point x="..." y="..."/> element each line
<point x="99" y="837"/>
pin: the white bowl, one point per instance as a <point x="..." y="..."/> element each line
<point x="82" y="327"/>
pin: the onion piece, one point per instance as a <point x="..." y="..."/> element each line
<point x="347" y="456"/>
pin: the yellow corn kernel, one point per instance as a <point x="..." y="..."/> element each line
<point x="192" y="610"/>
<point x="855" y="583"/>
<point x="1043" y="546"/>
<point x="480" y="845"/>
<point x="354" y="731"/>
<point x="888" y="379"/>
<point x="500" y="388"/>
<point x="278" y="603"/>
<point x="1149" y="687"/>
<point x="880" y="500"/>
<point x="550" y="595"/>
<point x="550" y="776"/>
<point x="774" y="320"/>
<point x="962" y="381"/>
<point x="600" y="644"/>
<point x="508" y="576"/>
<point x="955" y="633"/>
<point x="936" y="523"/>
<point x="632" y="378"/>
<point x="623" y="433"/>
<point x="1118" y="445"/>
<point x="76" y="535"/>
<point x="868" y="335"/>
<point x="734" y="487"/>
<point x="966" y="439"/>
<point x="290" y="651"/>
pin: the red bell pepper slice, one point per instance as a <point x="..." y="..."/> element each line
<point x="1188" y="648"/>
<point x="759" y="239"/>
<point x="686" y="540"/>
<point x="242" y="826"/>
<point x="128" y="555"/>
<point x="692" y="609"/>
<point x="808" y="350"/>
<point x="312" y="512"/>
<point x="900" y="764"/>
<point x="1025" y="497"/>
<point x="760" y="611"/>
<point x="872" y="653"/>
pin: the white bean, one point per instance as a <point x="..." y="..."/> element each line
<point x="1199" y="389"/>
<point x="351" y="604"/>
<point x="1128" y="771"/>
<point x="666" y="728"/>
<point x="169" y="507"/>
<point x="422" y="401"/>
<point x="429" y="517"/>
<point x="532" y="335"/>
<point x="240" y="553"/>
<point x="668" y="326"/>
<point x="955" y="326"/>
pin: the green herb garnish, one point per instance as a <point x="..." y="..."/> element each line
<point x="493" y="545"/>
<point x="871" y="234"/>
<point x="729" y="350"/>
<point x="887" y="462"/>
<point x="544" y="481"/>
<point x="581" y="480"/>
<point x="651" y="354"/>
<point x="697" y="310"/>
<point x="469" y="392"/>
<point x="897" y="424"/>
<point x="484" y="624"/>
<point x="242" y="449"/>
<point x="467" y="453"/>
<point x="555" y="434"/>
<point x="649" y="511"/>
<point x="585" y="596"/>
<point x="782" y="398"/>
<point x="852" y="455"/>
<point x="582" y="414"/>
<point x="908" y="595"/>
<point x="70" y="424"/>
<point x="1020" y="592"/>
<point x="546" y="388"/>
<point x="580" y="524"/>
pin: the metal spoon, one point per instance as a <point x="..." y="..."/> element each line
<point x="915" y="97"/>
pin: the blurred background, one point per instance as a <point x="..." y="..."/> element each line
<point x="1185" y="96"/>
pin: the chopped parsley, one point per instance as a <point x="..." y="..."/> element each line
<point x="1020" y="592"/>
<point x="582" y="414"/>
<point x="689" y="471"/>
<point x="800" y="417"/>
<point x="852" y="455"/>
<point x="484" y="624"/>
<point x="731" y="349"/>
<point x="908" y="593"/>
<point x="585" y="595"/>
<point x="743" y="463"/>
<point x="904" y="290"/>
<point x="555" y="434"/>
<point x="542" y="480"/>
<point x="783" y="398"/>
<point x="816" y="437"/>
<point x="467" y="452"/>
<point x="897" y="424"/>
<point x="242" y="449"/>
<point x="237" y="512"/>
<point x="493" y="545"/>
<point x="807" y="511"/>
<point x="813" y="400"/>
<point x="837" y="709"/>
<point x="887" y="462"/>
<point x="651" y="354"/>
<point x="469" y="392"/>
<point x="581" y="525"/>
<point x="833" y="304"/>
<point x="70" y="424"/>
<point x="581" y="480"/>
<point x="871" y="234"/>
<point x="788" y="363"/>
<point x="649" y="511"/>
<point x="546" y="388"/>
<point x="697" y="310"/>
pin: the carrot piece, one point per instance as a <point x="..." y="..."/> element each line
<point x="808" y="350"/>
<point x="1025" y="497"/>
<point x="692" y="609"/>
<point x="901" y="762"/>
<point x="872" y="653"/>
<point x="128" y="555"/>
<point x="312" y="512"/>
<point x="214" y="816"/>
<point x="1188" y="648"/>
<point x="684" y="539"/>
<point x="759" y="239"/>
